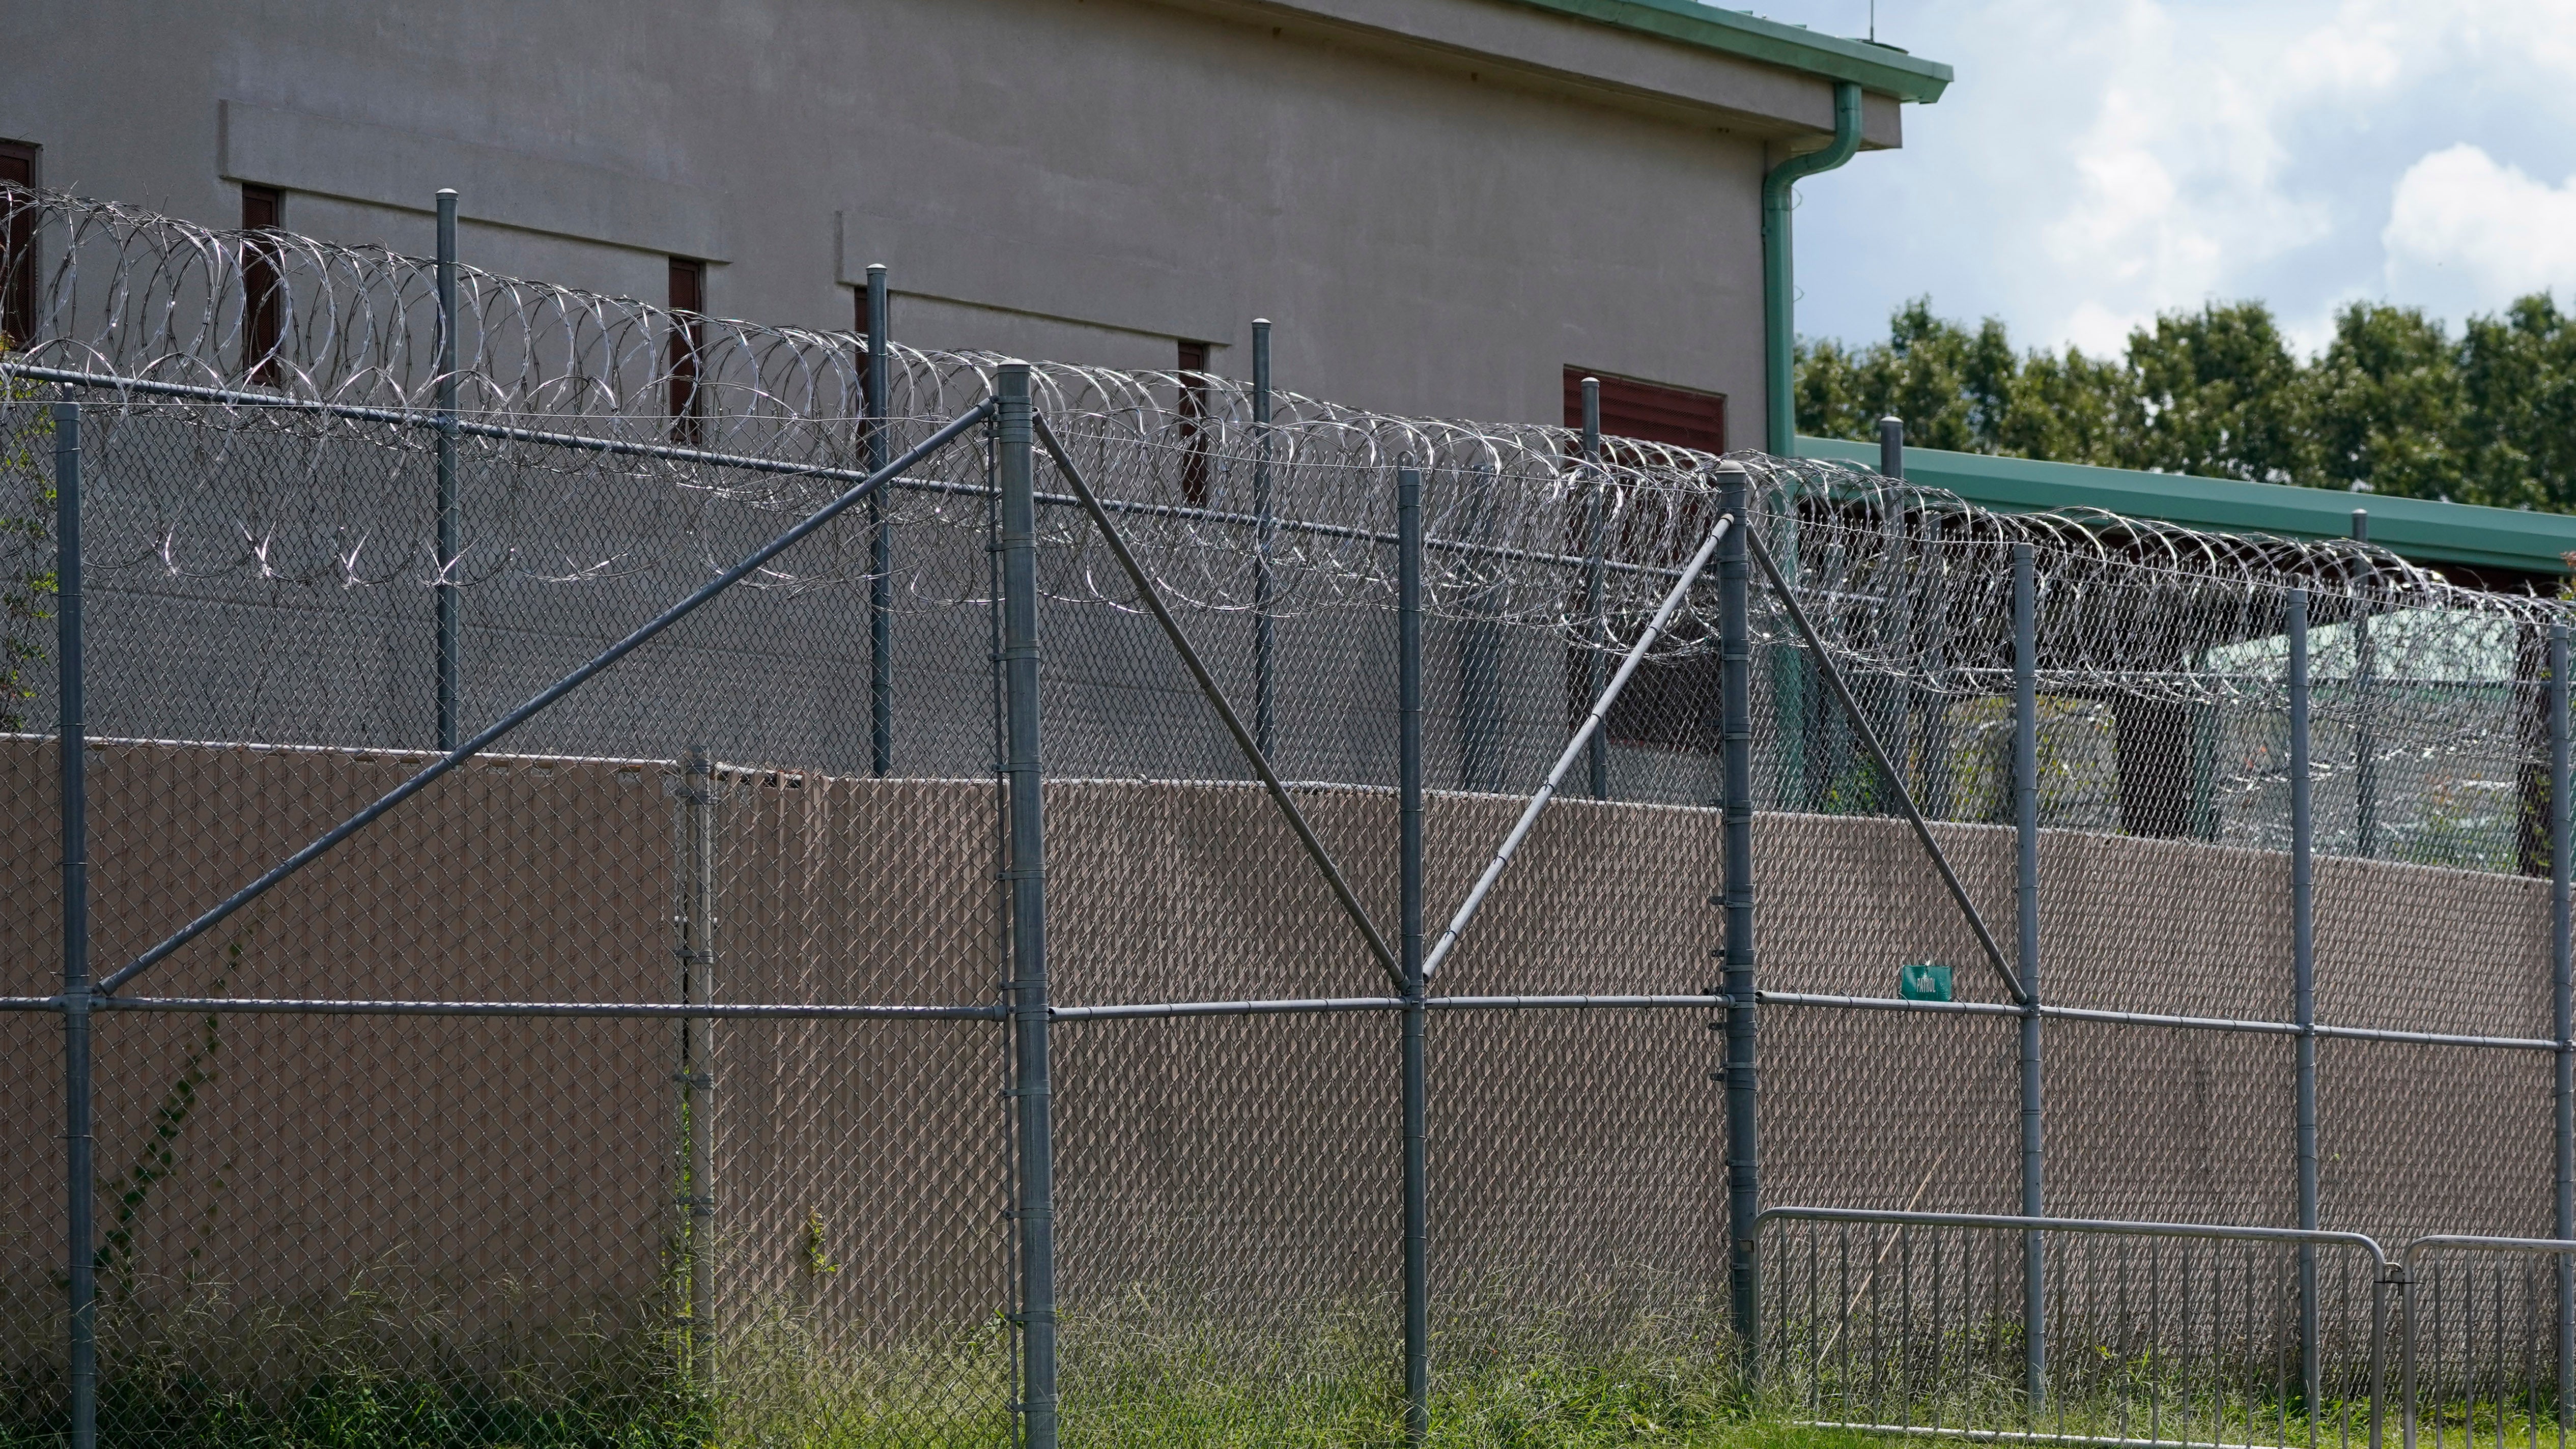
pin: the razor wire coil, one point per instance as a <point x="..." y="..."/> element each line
<point x="1232" y="515"/>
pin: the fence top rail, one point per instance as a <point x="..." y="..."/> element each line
<point x="300" y="1006"/>
<point x="2111" y="1227"/>
<point x="2478" y="1243"/>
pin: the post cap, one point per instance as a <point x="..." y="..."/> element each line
<point x="876" y="267"/>
<point x="1260" y="321"/>
<point x="447" y="191"/>
<point x="1729" y="465"/>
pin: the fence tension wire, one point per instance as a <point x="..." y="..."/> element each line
<point x="1878" y="755"/>
<point x="1234" y="724"/>
<point x="491" y="733"/>
<point x="1575" y="748"/>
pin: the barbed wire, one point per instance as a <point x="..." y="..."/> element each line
<point x="301" y="336"/>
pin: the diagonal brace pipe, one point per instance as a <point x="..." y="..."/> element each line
<point x="1574" y="748"/>
<point x="1234" y="724"/>
<point x="1878" y="754"/>
<point x="430" y="773"/>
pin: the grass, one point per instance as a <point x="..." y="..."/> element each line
<point x="1153" y="1370"/>
<point x="1140" y="1375"/>
<point x="1578" y="1410"/>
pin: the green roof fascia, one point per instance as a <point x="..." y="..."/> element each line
<point x="2419" y="529"/>
<point x="1874" y="67"/>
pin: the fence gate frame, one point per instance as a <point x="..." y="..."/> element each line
<point x="83" y="995"/>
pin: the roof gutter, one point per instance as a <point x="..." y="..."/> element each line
<point x="1779" y="282"/>
<point x="1880" y="69"/>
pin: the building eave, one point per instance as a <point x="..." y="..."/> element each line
<point x="2425" y="531"/>
<point x="1877" y="68"/>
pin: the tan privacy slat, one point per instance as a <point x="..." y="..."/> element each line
<point x="515" y="1177"/>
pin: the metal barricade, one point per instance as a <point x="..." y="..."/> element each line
<point x="2485" y="1340"/>
<point x="2148" y="1333"/>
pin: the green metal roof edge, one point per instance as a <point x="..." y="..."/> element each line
<point x="2414" y="528"/>
<point x="1875" y="67"/>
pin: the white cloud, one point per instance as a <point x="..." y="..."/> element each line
<point x="2493" y="228"/>
<point x="2097" y="163"/>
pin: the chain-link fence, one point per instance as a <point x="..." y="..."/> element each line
<point x="671" y="881"/>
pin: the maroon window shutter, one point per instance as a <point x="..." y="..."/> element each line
<point x="688" y="304"/>
<point x="263" y="285"/>
<point x="1650" y="411"/>
<point x="1194" y="411"/>
<point x="17" y="246"/>
<point x="1668" y="704"/>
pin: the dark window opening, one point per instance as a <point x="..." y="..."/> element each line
<point x="18" y="247"/>
<point x="1194" y="430"/>
<point x="1668" y="704"/>
<point x="263" y="287"/>
<point x="688" y="307"/>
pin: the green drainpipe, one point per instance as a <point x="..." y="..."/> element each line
<point x="1798" y="770"/>
<point x="1779" y="295"/>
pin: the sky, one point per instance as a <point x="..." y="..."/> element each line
<point x="2096" y="162"/>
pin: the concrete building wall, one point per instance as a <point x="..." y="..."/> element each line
<point x="1441" y="202"/>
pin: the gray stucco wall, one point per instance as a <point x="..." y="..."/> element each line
<point x="1441" y="202"/>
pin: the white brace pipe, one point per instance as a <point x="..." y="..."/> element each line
<point x="1574" y="748"/>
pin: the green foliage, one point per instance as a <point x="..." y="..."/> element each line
<point x="131" y="1190"/>
<point x="363" y="1411"/>
<point x="2518" y="379"/>
<point x="2394" y="404"/>
<point x="2384" y="402"/>
<point x="2215" y="392"/>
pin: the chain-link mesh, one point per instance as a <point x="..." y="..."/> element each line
<point x="437" y="1189"/>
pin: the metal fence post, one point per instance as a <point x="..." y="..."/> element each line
<point x="451" y="520"/>
<point x="1595" y="571"/>
<point x="2562" y="990"/>
<point x="2303" y="979"/>
<point x="1015" y="465"/>
<point x="80" y="1256"/>
<point x="2386" y="1279"/>
<point x="2034" y="1288"/>
<point x="1264" y="629"/>
<point x="2365" y="747"/>
<point x="880" y="537"/>
<point x="1743" y="1100"/>
<point x="2405" y="1353"/>
<point x="697" y="1046"/>
<point x="1901" y="737"/>
<point x="1417" y="1161"/>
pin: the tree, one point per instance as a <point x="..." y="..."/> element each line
<point x="2215" y="392"/>
<point x="2065" y="407"/>
<point x="2384" y="404"/>
<point x="2392" y="405"/>
<point x="1953" y="387"/>
<point x="2518" y="387"/>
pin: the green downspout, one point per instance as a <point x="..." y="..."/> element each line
<point x="1779" y="296"/>
<point x="1780" y="413"/>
